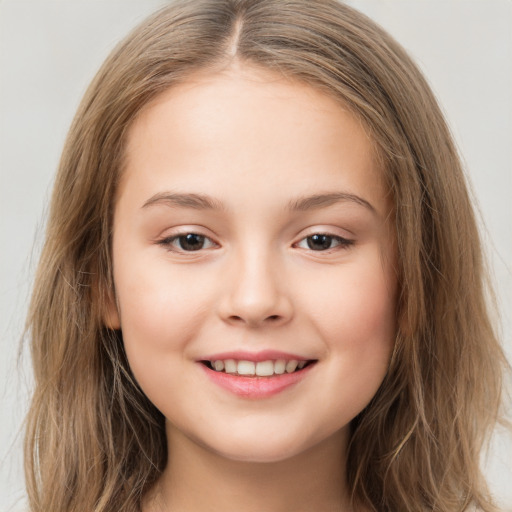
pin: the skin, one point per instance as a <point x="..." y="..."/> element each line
<point x="254" y="143"/>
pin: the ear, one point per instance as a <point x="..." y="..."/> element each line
<point x="110" y="310"/>
<point x="111" y="315"/>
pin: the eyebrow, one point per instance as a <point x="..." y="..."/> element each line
<point x="304" y="203"/>
<point x="195" y="201"/>
<point x="323" y="200"/>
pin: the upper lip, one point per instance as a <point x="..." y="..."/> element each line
<point x="263" y="355"/>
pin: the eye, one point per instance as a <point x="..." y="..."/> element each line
<point x="187" y="242"/>
<point x="323" y="242"/>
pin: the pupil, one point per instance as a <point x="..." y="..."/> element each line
<point x="191" y="242"/>
<point x="319" y="242"/>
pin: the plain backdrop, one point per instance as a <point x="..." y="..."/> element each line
<point x="50" y="50"/>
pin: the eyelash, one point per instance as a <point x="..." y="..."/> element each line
<point x="168" y="242"/>
<point x="341" y="243"/>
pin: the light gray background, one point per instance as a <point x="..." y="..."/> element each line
<point x="49" y="51"/>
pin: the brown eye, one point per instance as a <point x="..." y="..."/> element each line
<point x="187" y="242"/>
<point x="190" y="242"/>
<point x="324" y="242"/>
<point x="319" y="242"/>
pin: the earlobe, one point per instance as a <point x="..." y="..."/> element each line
<point x="111" y="316"/>
<point x="110" y="312"/>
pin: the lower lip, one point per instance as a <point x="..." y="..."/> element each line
<point x="256" y="387"/>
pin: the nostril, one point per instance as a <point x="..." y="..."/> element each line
<point x="273" y="317"/>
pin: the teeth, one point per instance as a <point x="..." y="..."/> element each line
<point x="246" y="368"/>
<point x="280" y="366"/>
<point x="260" y="369"/>
<point x="291" y="366"/>
<point x="230" y="366"/>
<point x="265" y="368"/>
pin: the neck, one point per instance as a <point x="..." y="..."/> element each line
<point x="197" y="479"/>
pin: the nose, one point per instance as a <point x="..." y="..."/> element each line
<point x="254" y="293"/>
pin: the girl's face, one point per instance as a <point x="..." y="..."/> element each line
<point x="252" y="224"/>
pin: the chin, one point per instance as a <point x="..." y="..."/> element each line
<point x="259" y="449"/>
<point x="259" y="454"/>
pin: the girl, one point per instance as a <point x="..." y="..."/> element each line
<point x="262" y="285"/>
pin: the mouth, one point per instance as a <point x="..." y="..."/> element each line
<point x="268" y="368"/>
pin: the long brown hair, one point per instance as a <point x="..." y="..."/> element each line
<point x="94" y="442"/>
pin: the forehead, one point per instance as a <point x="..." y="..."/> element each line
<point x="250" y="125"/>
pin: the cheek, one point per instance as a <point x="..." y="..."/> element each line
<point x="160" y="312"/>
<point x="152" y="313"/>
<point x="358" y="329"/>
<point x="355" y="316"/>
<point x="356" y="304"/>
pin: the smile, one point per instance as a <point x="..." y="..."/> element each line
<point x="267" y="368"/>
<point x="256" y="380"/>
